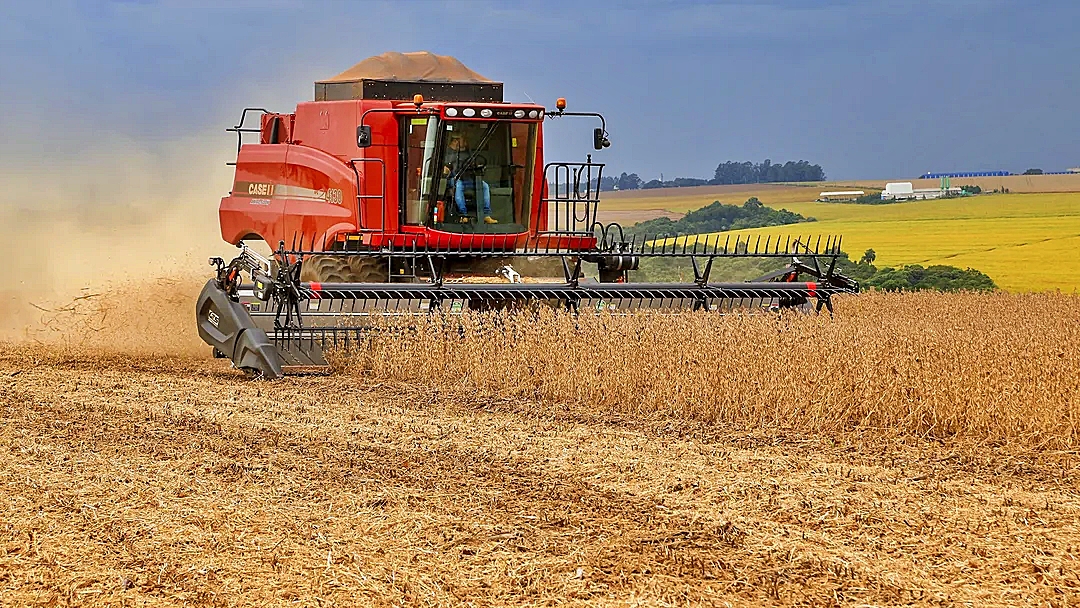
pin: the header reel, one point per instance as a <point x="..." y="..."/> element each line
<point x="279" y="324"/>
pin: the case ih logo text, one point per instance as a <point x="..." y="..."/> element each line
<point x="261" y="189"/>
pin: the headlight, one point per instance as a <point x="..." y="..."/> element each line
<point x="486" y="113"/>
<point x="532" y="113"/>
<point x="468" y="112"/>
<point x="451" y="111"/>
<point x="519" y="113"/>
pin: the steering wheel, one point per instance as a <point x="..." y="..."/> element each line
<point x="477" y="163"/>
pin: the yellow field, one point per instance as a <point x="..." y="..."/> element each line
<point x="1025" y="242"/>
<point x="646" y="204"/>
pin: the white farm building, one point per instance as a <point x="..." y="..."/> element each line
<point x="903" y="191"/>
<point x="846" y="195"/>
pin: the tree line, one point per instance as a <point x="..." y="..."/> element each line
<point x="914" y="277"/>
<point x="719" y="217"/>
<point x="730" y="172"/>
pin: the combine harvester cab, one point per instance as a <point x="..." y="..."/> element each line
<point x="407" y="187"/>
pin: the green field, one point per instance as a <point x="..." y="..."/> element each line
<point x="1025" y="242"/>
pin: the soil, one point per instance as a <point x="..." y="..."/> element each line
<point x="170" y="480"/>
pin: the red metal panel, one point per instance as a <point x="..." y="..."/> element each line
<point x="320" y="197"/>
<point x="250" y="209"/>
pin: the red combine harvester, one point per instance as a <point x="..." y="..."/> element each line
<point x="409" y="186"/>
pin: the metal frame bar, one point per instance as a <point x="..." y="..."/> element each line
<point x="572" y="199"/>
<point x="680" y="246"/>
<point x="360" y="198"/>
<point x="239" y="128"/>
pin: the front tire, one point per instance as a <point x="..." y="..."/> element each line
<point x="344" y="269"/>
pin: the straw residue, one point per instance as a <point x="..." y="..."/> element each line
<point x="170" y="480"/>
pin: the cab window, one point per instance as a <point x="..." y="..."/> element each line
<point x="420" y="134"/>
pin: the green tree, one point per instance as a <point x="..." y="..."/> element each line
<point x="868" y="257"/>
<point x="718" y="217"/>
<point x="629" y="182"/>
<point x="939" y="278"/>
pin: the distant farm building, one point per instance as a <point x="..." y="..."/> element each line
<point x="838" y="197"/>
<point x="991" y="173"/>
<point x="965" y="174"/>
<point x="903" y="191"/>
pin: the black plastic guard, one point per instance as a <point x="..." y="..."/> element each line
<point x="227" y="326"/>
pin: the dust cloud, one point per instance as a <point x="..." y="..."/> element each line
<point x="109" y="251"/>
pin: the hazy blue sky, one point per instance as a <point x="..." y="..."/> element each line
<point x="867" y="88"/>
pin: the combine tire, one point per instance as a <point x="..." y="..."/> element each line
<point x="343" y="269"/>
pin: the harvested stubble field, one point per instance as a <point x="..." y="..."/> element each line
<point x="916" y="449"/>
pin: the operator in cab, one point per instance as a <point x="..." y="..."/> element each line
<point x="461" y="167"/>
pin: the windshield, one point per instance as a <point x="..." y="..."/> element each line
<point x="485" y="181"/>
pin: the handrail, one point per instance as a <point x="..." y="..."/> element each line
<point x="240" y="130"/>
<point x="574" y="210"/>
<point x="361" y="197"/>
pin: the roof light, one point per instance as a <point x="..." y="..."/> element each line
<point x="468" y="112"/>
<point x="520" y="113"/>
<point x="560" y="104"/>
<point x="532" y="113"/>
<point x="486" y="112"/>
<point x="451" y="112"/>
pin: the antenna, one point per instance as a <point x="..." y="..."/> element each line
<point x="529" y="98"/>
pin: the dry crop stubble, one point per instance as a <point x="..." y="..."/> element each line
<point x="135" y="479"/>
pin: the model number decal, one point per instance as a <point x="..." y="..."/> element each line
<point x="214" y="318"/>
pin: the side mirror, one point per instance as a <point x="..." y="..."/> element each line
<point x="599" y="139"/>
<point x="363" y="136"/>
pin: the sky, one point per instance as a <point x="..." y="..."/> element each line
<point x="870" y="89"/>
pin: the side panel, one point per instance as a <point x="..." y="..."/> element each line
<point x="330" y="126"/>
<point x="252" y="207"/>
<point x="319" y="191"/>
<point x="385" y="136"/>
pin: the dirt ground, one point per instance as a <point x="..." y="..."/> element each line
<point x="173" y="481"/>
